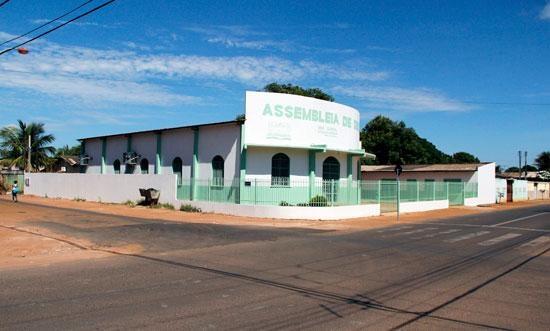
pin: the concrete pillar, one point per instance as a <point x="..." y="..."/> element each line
<point x="158" y="158"/>
<point x="311" y="173"/>
<point x="195" y="166"/>
<point x="103" y="155"/>
<point x="242" y="163"/>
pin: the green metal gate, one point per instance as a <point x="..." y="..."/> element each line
<point x="455" y="192"/>
<point x="388" y="195"/>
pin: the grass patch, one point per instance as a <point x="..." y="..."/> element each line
<point x="190" y="209"/>
<point x="129" y="203"/>
<point x="163" y="206"/>
<point x="79" y="199"/>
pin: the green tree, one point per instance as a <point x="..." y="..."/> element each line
<point x="298" y="90"/>
<point x="14" y="142"/>
<point x="529" y="168"/>
<point x="543" y="161"/>
<point x="393" y="141"/>
<point x="69" y="151"/>
<point x="464" y="157"/>
<point x="498" y="169"/>
<point x="512" y="169"/>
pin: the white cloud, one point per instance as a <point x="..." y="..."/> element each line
<point x="396" y="98"/>
<point x="545" y="13"/>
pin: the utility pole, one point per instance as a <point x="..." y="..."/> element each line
<point x="525" y="161"/>
<point x="29" y="165"/>
<point x="519" y="169"/>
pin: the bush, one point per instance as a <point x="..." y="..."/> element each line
<point x="303" y="204"/>
<point x="163" y="206"/>
<point x="190" y="209"/>
<point x="78" y="199"/>
<point x="284" y="204"/>
<point x="318" y="201"/>
<point x="129" y="203"/>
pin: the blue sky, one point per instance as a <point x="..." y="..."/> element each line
<point x="467" y="75"/>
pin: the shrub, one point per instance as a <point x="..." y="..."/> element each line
<point x="190" y="209"/>
<point x="79" y="199"/>
<point x="318" y="201"/>
<point x="303" y="204"/>
<point x="129" y="203"/>
<point x="163" y="206"/>
<point x="284" y="204"/>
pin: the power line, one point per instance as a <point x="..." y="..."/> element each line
<point x="4" y="2"/>
<point x="47" y="23"/>
<point x="58" y="27"/>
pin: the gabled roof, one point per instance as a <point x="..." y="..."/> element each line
<point x="165" y="129"/>
<point x="425" y="167"/>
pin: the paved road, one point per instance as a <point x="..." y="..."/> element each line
<point x="475" y="272"/>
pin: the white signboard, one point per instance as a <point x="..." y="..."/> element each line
<point x="285" y="120"/>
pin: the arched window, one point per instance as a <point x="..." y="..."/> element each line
<point x="116" y="166"/>
<point x="331" y="176"/>
<point x="331" y="169"/>
<point x="144" y="166"/>
<point x="217" y="170"/>
<point x="177" y="169"/>
<point x="280" y="169"/>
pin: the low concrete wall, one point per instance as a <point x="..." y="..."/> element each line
<point x="96" y="187"/>
<point x="411" y="207"/>
<point x="289" y="212"/>
<point x="471" y="202"/>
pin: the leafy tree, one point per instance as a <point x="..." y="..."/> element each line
<point x="69" y="151"/>
<point x="512" y="169"/>
<point x="543" y="161"/>
<point x="298" y="90"/>
<point x="393" y="141"/>
<point x="529" y="168"/>
<point x="14" y="142"/>
<point x="463" y="157"/>
<point x="498" y="169"/>
<point x="240" y="117"/>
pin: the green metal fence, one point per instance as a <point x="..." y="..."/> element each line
<point x="325" y="192"/>
<point x="9" y="179"/>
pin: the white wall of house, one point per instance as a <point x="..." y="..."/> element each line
<point x="145" y="144"/>
<point x="222" y="140"/>
<point x="93" y="149"/>
<point x="116" y="146"/>
<point x="177" y="143"/>
<point x="258" y="163"/>
<point x="100" y="187"/>
<point x="519" y="190"/>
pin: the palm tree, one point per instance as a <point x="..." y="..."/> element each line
<point x="543" y="161"/>
<point x="14" y="142"/>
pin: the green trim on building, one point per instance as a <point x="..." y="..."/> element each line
<point x="129" y="143"/>
<point x="103" y="155"/>
<point x="158" y="158"/>
<point x="242" y="162"/>
<point x="195" y="166"/>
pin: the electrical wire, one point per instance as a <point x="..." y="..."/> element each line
<point x="58" y="27"/>
<point x="47" y="23"/>
<point x="4" y="2"/>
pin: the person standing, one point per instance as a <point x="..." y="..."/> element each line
<point x="14" y="191"/>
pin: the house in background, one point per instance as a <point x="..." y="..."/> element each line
<point x="530" y="186"/>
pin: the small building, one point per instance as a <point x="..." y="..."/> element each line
<point x="66" y="164"/>
<point x="524" y="186"/>
<point x="467" y="184"/>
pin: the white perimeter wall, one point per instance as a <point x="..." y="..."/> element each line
<point x="486" y="182"/>
<point x="500" y="187"/>
<point x="97" y="187"/>
<point x="308" y="213"/>
<point x="411" y="207"/>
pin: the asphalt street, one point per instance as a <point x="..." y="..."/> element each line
<point x="486" y="271"/>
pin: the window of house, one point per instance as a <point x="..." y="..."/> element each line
<point x="116" y="166"/>
<point x="280" y="170"/>
<point x="144" y="166"/>
<point x="177" y="169"/>
<point x="217" y="170"/>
